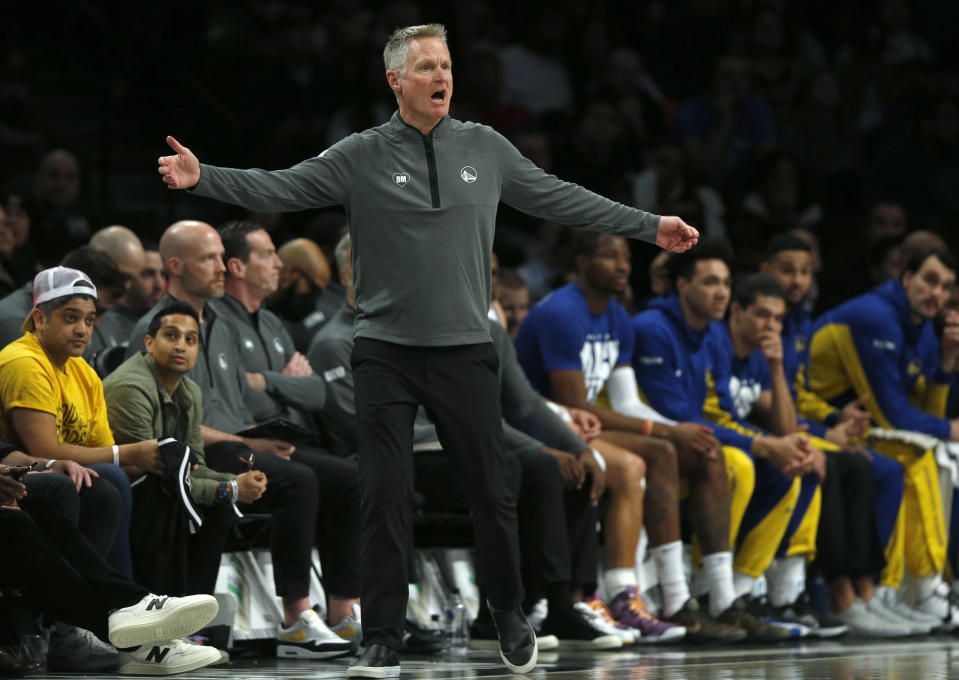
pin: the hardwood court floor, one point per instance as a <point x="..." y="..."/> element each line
<point x="928" y="659"/>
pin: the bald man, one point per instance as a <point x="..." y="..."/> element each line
<point x="122" y="246"/>
<point x="192" y="254"/>
<point x="306" y="297"/>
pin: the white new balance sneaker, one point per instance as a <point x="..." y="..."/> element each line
<point x="878" y="607"/>
<point x="158" y="617"/>
<point x="167" y="658"/>
<point x="310" y="638"/>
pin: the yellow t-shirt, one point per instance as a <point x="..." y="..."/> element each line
<point x="28" y="379"/>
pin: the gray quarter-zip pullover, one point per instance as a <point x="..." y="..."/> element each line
<point x="422" y="211"/>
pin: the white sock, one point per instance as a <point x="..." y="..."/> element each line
<point x="743" y="584"/>
<point x="672" y="576"/>
<point x="786" y="579"/>
<point x="719" y="578"/>
<point x="926" y="585"/>
<point x="618" y="580"/>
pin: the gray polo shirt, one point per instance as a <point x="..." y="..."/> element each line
<point x="266" y="347"/>
<point x="13" y="310"/>
<point x="422" y="211"/>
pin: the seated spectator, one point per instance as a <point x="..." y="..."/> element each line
<point x="58" y="220"/>
<point x="310" y="494"/>
<point x="305" y="298"/>
<point x="150" y="397"/>
<point x="281" y="382"/>
<point x="52" y="401"/>
<point x="44" y="557"/>
<point x="123" y="247"/>
<point x="93" y="508"/>
<point x="881" y="347"/>
<point x="723" y="130"/>
<point x="575" y="342"/>
<point x="109" y="281"/>
<point x="679" y="373"/>
<point x="154" y="272"/>
<point x="23" y="262"/>
<point x="513" y="297"/>
<point x="495" y="312"/>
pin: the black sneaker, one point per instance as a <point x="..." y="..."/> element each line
<point x="575" y="631"/>
<point x="701" y="628"/>
<point x="801" y="611"/>
<point x="418" y="640"/>
<point x="517" y="641"/>
<point x="739" y="614"/>
<point x="378" y="661"/>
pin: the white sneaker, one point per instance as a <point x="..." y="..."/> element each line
<point x="167" y="658"/>
<point x="309" y="638"/>
<point x="891" y="600"/>
<point x="863" y="623"/>
<point x="877" y="606"/>
<point x="76" y="650"/>
<point x="158" y="617"/>
<point x="599" y="617"/>
<point x="941" y="604"/>
<point x="350" y="628"/>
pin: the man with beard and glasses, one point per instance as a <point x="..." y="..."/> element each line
<point x="882" y="347"/>
<point x="306" y="298"/>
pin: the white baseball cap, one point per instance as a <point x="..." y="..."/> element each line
<point x="58" y="282"/>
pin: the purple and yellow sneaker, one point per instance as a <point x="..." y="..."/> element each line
<point x="628" y="609"/>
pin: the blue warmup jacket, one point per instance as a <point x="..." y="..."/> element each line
<point x="678" y="371"/>
<point x="814" y="412"/>
<point x="869" y="345"/>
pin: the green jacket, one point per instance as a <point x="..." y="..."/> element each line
<point x="139" y="408"/>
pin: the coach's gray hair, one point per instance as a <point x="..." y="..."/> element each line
<point x="397" y="50"/>
<point x="340" y="252"/>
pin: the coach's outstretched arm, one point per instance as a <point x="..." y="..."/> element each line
<point x="181" y="171"/>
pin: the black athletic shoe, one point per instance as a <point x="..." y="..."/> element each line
<point x="378" y="661"/>
<point x="701" y="628"/>
<point x="575" y="631"/>
<point x="517" y="641"/>
<point x="742" y="615"/>
<point x="418" y="640"/>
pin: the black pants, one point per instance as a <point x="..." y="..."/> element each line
<point x="167" y="558"/>
<point x="459" y="387"/>
<point x="313" y="499"/>
<point x="847" y="543"/>
<point x="44" y="557"/>
<point x="94" y="510"/>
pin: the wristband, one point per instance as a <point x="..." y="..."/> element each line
<point x="647" y="427"/>
<point x="49" y="464"/>
<point x="599" y="459"/>
<point x="116" y="455"/>
<point x="236" y="491"/>
<point x="223" y="491"/>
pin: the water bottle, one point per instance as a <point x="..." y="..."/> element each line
<point x="457" y="623"/>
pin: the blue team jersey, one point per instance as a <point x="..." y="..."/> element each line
<point x="561" y="333"/>
<point x="748" y="377"/>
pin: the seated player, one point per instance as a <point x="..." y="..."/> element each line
<point x="678" y="373"/>
<point x="882" y="347"/>
<point x="572" y="343"/>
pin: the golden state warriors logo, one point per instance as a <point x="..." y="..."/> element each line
<point x="71" y="428"/>
<point x="468" y="174"/>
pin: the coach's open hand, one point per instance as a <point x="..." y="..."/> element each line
<point x="674" y="234"/>
<point x="182" y="171"/>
